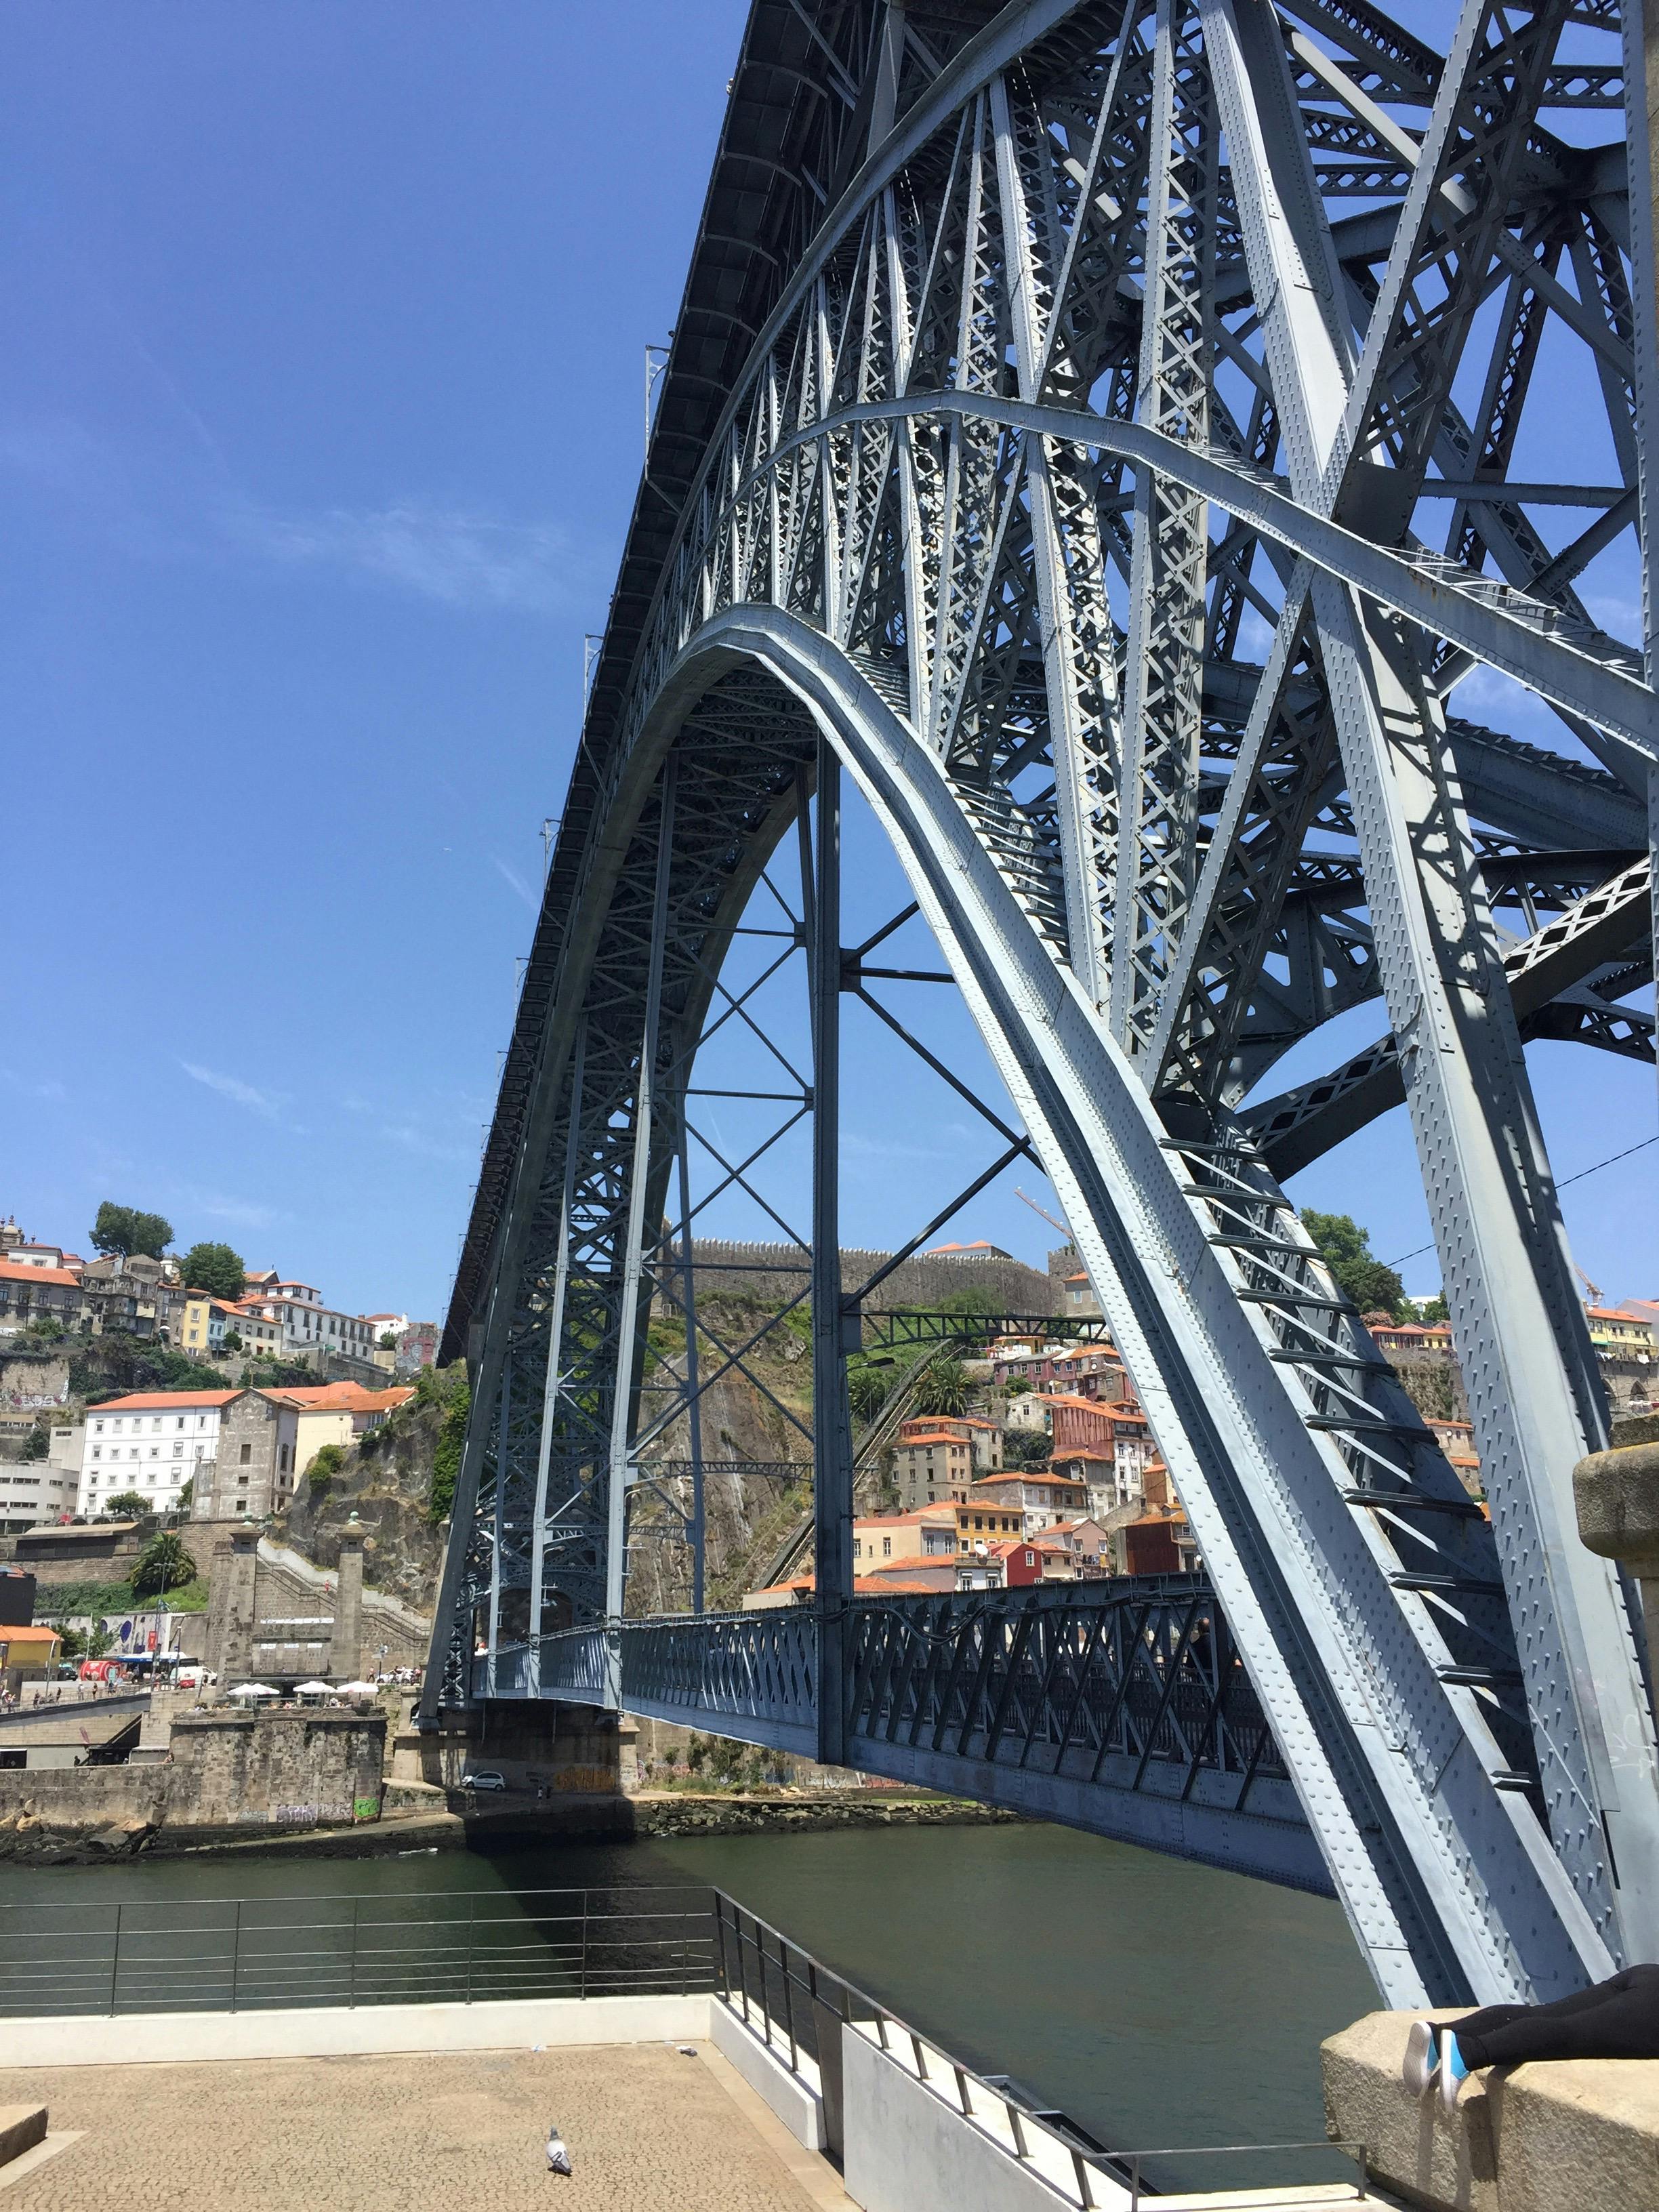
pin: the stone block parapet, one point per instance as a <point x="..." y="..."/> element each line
<point x="1580" y="2132"/>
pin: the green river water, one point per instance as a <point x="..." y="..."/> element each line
<point x="1158" y="2003"/>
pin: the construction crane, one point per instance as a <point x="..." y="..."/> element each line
<point x="1044" y="1212"/>
<point x="1595" y="1289"/>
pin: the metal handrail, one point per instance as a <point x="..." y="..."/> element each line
<point x="1056" y="2148"/>
<point x="340" y="1948"/>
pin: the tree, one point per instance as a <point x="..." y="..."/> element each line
<point x="129" y="1501"/>
<point x="868" y="1388"/>
<point x="386" y="1342"/>
<point x="125" y="1230"/>
<point x="233" y="1340"/>
<point x="943" y="1390"/>
<point x="325" y="1463"/>
<point x="186" y="1494"/>
<point x="37" y="1444"/>
<point x="163" y="1565"/>
<point x="1025" y="1448"/>
<point x="1345" y="1248"/>
<point x="216" y="1269"/>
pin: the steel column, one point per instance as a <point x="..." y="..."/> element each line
<point x="633" y="1266"/>
<point x="832" y="1433"/>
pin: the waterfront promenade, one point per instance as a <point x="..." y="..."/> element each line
<point x="649" y="2130"/>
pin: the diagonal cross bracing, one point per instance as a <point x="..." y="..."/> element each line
<point x="1081" y="467"/>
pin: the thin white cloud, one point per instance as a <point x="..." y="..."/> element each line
<point x="49" y="1088"/>
<point x="236" y="1213"/>
<point x="513" y="877"/>
<point x="462" y="559"/>
<point x="232" y="1087"/>
<point x="426" y="1148"/>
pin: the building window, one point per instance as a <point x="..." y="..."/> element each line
<point x="248" y="1454"/>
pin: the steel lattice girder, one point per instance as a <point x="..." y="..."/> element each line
<point x="948" y="436"/>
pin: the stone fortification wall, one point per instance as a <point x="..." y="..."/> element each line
<point x="778" y="1271"/>
<point x="293" y="1769"/>
<point x="229" y="1771"/>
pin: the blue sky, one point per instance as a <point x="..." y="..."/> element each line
<point x="319" y="425"/>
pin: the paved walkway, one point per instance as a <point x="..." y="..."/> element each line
<point x="649" y="2130"/>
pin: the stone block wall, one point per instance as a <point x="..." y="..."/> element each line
<point x="227" y="1771"/>
<point x="293" y="1769"/>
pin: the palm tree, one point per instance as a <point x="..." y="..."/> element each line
<point x="163" y="1565"/>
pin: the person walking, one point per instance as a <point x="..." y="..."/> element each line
<point x="1615" y="2019"/>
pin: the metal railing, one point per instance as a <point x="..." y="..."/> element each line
<point x="799" y="2010"/>
<point x="458" y="1946"/>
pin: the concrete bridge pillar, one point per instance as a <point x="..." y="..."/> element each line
<point x="233" y="1607"/>
<point x="346" y="1643"/>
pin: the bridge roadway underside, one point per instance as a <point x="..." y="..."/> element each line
<point x="1120" y="1708"/>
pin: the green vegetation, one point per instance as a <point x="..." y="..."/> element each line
<point x="131" y="1502"/>
<point x="233" y="1340"/>
<point x="163" y="1563"/>
<point x="107" y="1366"/>
<point x="38" y="1442"/>
<point x="1023" y="1447"/>
<point x="216" y="1269"/>
<point x="263" y="1372"/>
<point x="449" y="1388"/>
<point x="58" y="1601"/>
<point x="326" y="1464"/>
<point x="1345" y="1248"/>
<point x="124" y="1230"/>
<point x="943" y="1390"/>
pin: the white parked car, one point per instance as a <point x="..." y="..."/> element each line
<point x="485" y="1778"/>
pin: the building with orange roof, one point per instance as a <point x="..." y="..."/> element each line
<point x="337" y="1414"/>
<point x="31" y="1292"/>
<point x="1033" y="1496"/>
<point x="151" y="1442"/>
<point x="927" y="1531"/>
<point x="936" y="1455"/>
<point x="28" y="1655"/>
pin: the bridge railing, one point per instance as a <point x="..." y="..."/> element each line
<point x="1086" y="1678"/>
<point x="462" y="1946"/>
<point x="803" y="2014"/>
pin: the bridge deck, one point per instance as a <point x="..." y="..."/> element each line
<point x="1121" y="1707"/>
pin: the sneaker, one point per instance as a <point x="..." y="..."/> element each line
<point x="1453" y="2071"/>
<point x="1422" y="2059"/>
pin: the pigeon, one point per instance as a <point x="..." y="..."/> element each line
<point x="558" y="2158"/>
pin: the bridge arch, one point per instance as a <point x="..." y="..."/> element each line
<point x="950" y="530"/>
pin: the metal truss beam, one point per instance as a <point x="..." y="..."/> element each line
<point x="1071" y="374"/>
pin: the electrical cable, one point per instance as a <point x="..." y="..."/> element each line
<point x="1611" y="1160"/>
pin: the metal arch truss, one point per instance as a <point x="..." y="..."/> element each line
<point x="1105" y="458"/>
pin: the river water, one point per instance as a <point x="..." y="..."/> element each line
<point x="1157" y="2002"/>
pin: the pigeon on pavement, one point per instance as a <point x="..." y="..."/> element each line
<point x="558" y="2158"/>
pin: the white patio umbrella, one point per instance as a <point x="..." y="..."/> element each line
<point x="358" y="1690"/>
<point x="312" y="1689"/>
<point x="254" y="1690"/>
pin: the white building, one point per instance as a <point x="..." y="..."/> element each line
<point x="309" y="1326"/>
<point x="36" y="1490"/>
<point x="152" y="1442"/>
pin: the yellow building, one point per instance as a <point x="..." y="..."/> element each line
<point x="929" y="1533"/>
<point x="980" y="1525"/>
<point x="192" y="1329"/>
<point x="1617" y="1335"/>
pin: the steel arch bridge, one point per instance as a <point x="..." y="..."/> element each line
<point x="1106" y="433"/>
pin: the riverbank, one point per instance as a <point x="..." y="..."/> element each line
<point x="45" y="1835"/>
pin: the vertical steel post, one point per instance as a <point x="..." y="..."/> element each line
<point x="553" y="1381"/>
<point x="1640" y="23"/>
<point x="832" y="1440"/>
<point x="632" y="1273"/>
<point x="693" y="1403"/>
<point x="503" y="1412"/>
<point x="115" y="1963"/>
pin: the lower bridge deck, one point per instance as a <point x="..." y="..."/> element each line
<point x="1121" y="1707"/>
